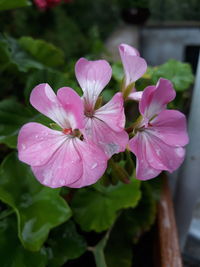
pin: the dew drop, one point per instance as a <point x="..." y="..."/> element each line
<point x="158" y="152"/>
<point x="23" y="147"/>
<point x="94" y="166"/>
<point x="62" y="182"/>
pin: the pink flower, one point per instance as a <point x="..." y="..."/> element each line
<point x="44" y="4"/>
<point x="134" y="67"/>
<point x="161" y="133"/>
<point x="60" y="158"/>
<point x="104" y="125"/>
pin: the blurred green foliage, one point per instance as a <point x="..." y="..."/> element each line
<point x="11" y="4"/>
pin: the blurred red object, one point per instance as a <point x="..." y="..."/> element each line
<point x="44" y="4"/>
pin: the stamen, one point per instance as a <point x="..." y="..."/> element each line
<point x="67" y="131"/>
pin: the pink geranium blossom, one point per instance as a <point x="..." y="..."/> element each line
<point x="44" y="4"/>
<point x="104" y="125"/>
<point x="134" y="67"/>
<point x="160" y="135"/>
<point x="60" y="158"/>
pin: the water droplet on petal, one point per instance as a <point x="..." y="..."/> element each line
<point x="94" y="166"/>
<point x="158" y="152"/>
<point x="23" y="146"/>
<point x="62" y="182"/>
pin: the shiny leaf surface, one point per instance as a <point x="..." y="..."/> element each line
<point x="12" y="116"/>
<point x="180" y="74"/>
<point x="96" y="208"/>
<point x="129" y="227"/>
<point x="65" y="244"/>
<point x="12" y="252"/>
<point x="46" y="53"/>
<point x="38" y="208"/>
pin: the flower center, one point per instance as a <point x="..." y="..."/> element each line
<point x="67" y="131"/>
<point x="74" y="133"/>
<point x="89" y="113"/>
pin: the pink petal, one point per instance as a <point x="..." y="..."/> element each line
<point x="153" y="155"/>
<point x="92" y="76"/>
<point x="170" y="126"/>
<point x="128" y="50"/>
<point x="162" y="156"/>
<point x="73" y="106"/>
<point x="136" y="96"/>
<point x="112" y="113"/>
<point x="156" y="98"/>
<point x="45" y="100"/>
<point x="37" y="143"/>
<point x="75" y="164"/>
<point x="94" y="163"/>
<point x="144" y="170"/>
<point x="63" y="168"/>
<point x="134" y="65"/>
<point x="100" y="133"/>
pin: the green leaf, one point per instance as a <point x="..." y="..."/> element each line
<point x="180" y="74"/>
<point x="96" y="208"/>
<point x="128" y="228"/>
<point x="118" y="72"/>
<point x="55" y="126"/>
<point x="12" y="116"/>
<point x="15" y="57"/>
<point x="65" y="244"/>
<point x="54" y="78"/>
<point x="141" y="218"/>
<point x="38" y="208"/>
<point x="118" y="250"/>
<point x="12" y="252"/>
<point x="10" y="4"/>
<point x="44" y="52"/>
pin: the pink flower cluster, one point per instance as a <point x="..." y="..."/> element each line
<point x="77" y="155"/>
<point x="44" y="4"/>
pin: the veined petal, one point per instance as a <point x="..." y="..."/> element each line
<point x="65" y="109"/>
<point x="153" y="155"/>
<point x="92" y="76"/>
<point x="100" y="133"/>
<point x="94" y="163"/>
<point x="73" y="106"/>
<point x="136" y="96"/>
<point x="134" y="65"/>
<point x="162" y="156"/>
<point x="45" y="100"/>
<point x="144" y="170"/>
<point x="125" y="49"/>
<point x="156" y="98"/>
<point x="112" y="113"/>
<point x="63" y="168"/>
<point x="37" y="143"/>
<point x="75" y="164"/>
<point x="170" y="126"/>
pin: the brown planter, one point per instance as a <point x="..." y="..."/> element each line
<point x="167" y="252"/>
